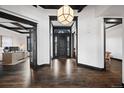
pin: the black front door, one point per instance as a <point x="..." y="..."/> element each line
<point x="61" y="45"/>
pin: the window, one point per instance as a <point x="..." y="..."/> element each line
<point x="6" y="41"/>
<point x="61" y="30"/>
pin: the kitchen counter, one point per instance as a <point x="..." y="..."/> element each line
<point x="12" y="58"/>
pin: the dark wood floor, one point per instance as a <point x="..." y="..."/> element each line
<point x="62" y="73"/>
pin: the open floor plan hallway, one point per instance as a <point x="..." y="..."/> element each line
<point x="61" y="73"/>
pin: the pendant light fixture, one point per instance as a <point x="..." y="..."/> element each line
<point x="65" y="14"/>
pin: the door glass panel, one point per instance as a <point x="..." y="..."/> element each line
<point x="31" y="46"/>
<point x="55" y="45"/>
<point x="68" y="46"/>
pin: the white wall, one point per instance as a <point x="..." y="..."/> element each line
<point x="89" y="34"/>
<point x="43" y="36"/>
<point x="114" y="41"/>
<point x="116" y="11"/>
<point x="17" y="39"/>
<point x="90" y="49"/>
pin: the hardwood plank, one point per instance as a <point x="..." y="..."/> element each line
<point x="62" y="73"/>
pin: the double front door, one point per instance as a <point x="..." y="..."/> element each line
<point x="61" y="45"/>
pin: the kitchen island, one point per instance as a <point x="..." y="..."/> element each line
<point x="12" y="58"/>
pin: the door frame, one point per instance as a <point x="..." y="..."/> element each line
<point x="67" y="34"/>
<point x="104" y="23"/>
<point x="54" y="18"/>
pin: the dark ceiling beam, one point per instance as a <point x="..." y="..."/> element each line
<point x="18" y="19"/>
<point x="19" y="28"/>
<point x="79" y="8"/>
<point x="50" y="6"/>
<point x="6" y="27"/>
<point x="19" y="25"/>
<point x="35" y="6"/>
<point x="24" y="32"/>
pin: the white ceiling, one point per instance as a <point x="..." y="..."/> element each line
<point x="108" y="25"/>
<point x="8" y="23"/>
<point x="2" y="20"/>
<point x="23" y="30"/>
<point x="25" y="25"/>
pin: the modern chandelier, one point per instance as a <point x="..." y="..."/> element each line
<point x="65" y="14"/>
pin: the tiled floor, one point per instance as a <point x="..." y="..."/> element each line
<point x="62" y="73"/>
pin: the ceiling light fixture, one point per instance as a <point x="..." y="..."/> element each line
<point x="112" y="20"/>
<point x="65" y="15"/>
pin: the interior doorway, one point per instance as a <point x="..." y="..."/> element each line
<point x="113" y="41"/>
<point x="63" y="39"/>
<point x="15" y="23"/>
